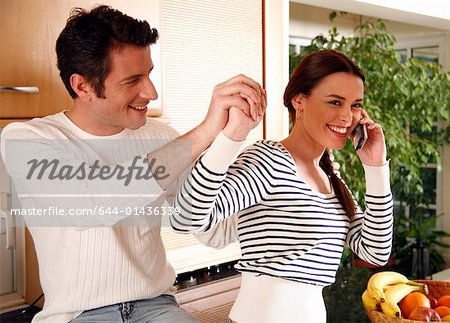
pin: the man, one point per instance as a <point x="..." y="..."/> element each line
<point x="105" y="156"/>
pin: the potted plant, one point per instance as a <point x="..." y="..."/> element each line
<point x="418" y="245"/>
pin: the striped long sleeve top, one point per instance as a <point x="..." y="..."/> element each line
<point x="285" y="228"/>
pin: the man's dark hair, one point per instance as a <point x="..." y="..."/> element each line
<point x="85" y="44"/>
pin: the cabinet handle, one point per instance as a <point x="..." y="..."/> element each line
<point x="21" y="89"/>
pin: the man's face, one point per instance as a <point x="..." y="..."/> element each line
<point x="127" y="89"/>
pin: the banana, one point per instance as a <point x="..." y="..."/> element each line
<point x="382" y="279"/>
<point x="369" y="302"/>
<point x="395" y="294"/>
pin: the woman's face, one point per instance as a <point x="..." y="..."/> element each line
<point x="331" y="111"/>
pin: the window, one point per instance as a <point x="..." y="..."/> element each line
<point x="203" y="44"/>
<point x="296" y="44"/>
<point x="430" y="50"/>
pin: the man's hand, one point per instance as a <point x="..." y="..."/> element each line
<point x="239" y="124"/>
<point x="240" y="92"/>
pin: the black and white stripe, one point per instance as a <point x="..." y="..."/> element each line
<point x="285" y="228"/>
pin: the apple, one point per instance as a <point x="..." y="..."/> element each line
<point x="433" y="301"/>
<point x="424" y="314"/>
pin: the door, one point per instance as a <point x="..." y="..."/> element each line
<point x="28" y="32"/>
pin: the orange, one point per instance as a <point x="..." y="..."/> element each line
<point x="446" y="318"/>
<point x="444" y="301"/>
<point x="412" y="301"/>
<point x="442" y="310"/>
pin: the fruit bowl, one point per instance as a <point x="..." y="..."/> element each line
<point x="436" y="289"/>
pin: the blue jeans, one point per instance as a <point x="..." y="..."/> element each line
<point x="161" y="309"/>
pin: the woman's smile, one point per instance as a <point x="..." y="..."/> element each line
<point x="339" y="131"/>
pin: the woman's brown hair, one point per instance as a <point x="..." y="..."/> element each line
<point x="307" y="75"/>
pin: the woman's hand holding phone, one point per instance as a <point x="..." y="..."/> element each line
<point x="359" y="136"/>
<point x="372" y="151"/>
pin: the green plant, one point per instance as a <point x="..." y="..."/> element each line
<point x="343" y="298"/>
<point x="407" y="98"/>
<point x="418" y="232"/>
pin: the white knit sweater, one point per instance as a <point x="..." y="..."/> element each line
<point x="97" y="264"/>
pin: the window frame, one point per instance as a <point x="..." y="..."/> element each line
<point x="408" y="45"/>
<point x="298" y="42"/>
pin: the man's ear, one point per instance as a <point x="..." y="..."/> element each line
<point x="81" y="87"/>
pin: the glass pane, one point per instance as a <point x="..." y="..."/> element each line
<point x="425" y="213"/>
<point x="428" y="176"/>
<point x="302" y="47"/>
<point x="403" y="55"/>
<point x="429" y="134"/>
<point x="292" y="49"/>
<point x="397" y="209"/>
<point x="429" y="54"/>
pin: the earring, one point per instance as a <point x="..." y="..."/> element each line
<point x="299" y="115"/>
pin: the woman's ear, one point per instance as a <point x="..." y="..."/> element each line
<point x="81" y="87"/>
<point x="297" y="101"/>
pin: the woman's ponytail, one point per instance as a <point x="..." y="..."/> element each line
<point x="342" y="192"/>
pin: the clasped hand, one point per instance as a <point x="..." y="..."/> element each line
<point x="237" y="106"/>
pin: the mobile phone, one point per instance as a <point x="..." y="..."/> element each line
<point x="359" y="136"/>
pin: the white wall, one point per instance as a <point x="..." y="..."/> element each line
<point x="276" y="45"/>
<point x="432" y="13"/>
<point x="446" y="166"/>
<point x="309" y="21"/>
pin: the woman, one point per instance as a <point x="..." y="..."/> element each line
<point x="294" y="214"/>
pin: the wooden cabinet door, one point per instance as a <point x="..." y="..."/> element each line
<point x="28" y="32"/>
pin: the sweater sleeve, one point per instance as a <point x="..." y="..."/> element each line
<point x="370" y="233"/>
<point x="220" y="236"/>
<point x="214" y="190"/>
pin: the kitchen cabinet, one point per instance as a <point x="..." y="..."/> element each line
<point x="28" y="30"/>
<point x="210" y="302"/>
